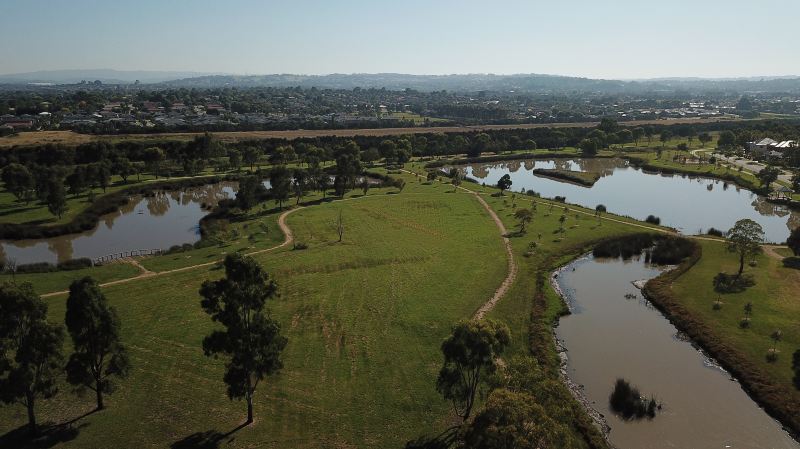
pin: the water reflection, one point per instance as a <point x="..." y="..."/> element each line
<point x="159" y="220"/>
<point x="689" y="204"/>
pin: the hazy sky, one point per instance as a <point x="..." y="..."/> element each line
<point x="594" y="38"/>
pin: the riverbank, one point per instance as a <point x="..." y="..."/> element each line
<point x="705" y="328"/>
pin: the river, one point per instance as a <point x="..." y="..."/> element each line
<point x="609" y="336"/>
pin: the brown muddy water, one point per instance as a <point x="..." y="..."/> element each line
<point x="609" y="336"/>
<point x="159" y="221"/>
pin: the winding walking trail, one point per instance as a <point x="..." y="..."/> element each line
<point x="288" y="238"/>
<point x="512" y="264"/>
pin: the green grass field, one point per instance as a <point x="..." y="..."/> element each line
<point x="776" y="305"/>
<point x="364" y="318"/>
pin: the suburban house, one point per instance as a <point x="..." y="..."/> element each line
<point x="769" y="148"/>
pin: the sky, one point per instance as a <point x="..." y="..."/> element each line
<point x="621" y="39"/>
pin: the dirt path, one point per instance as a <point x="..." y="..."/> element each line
<point x="288" y="238"/>
<point x="770" y="251"/>
<point x="512" y="264"/>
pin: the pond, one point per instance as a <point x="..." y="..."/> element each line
<point x="690" y="204"/>
<point x="159" y="221"/>
<point x="611" y="335"/>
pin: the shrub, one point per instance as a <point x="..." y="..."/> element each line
<point x="628" y="402"/>
<point x="560" y="199"/>
<point x="671" y="250"/>
<point x="715" y="232"/>
<point x="652" y="219"/>
<point x="625" y="247"/>
<point x="792" y="262"/>
<point x="74" y="264"/>
<point x="731" y="283"/>
<point x="299" y="246"/>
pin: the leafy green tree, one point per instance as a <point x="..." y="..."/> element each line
<point x="456" y="176"/>
<point x="665" y="137"/>
<point x="31" y="356"/>
<point x="704" y="138"/>
<point x="588" y="147"/>
<point x="234" y="159"/>
<point x="767" y="176"/>
<point x="102" y="174"/>
<point x="388" y="149"/>
<point x="515" y="420"/>
<point x="250" y="156"/>
<point x="19" y="181"/>
<point x="637" y="134"/>
<point x="251" y="190"/>
<point x="523" y="216"/>
<point x="94" y="327"/>
<point x="280" y="179"/>
<point x="124" y="168"/>
<point x="480" y="144"/>
<point x="299" y="183"/>
<point x="745" y="238"/>
<point x="727" y="140"/>
<point x="250" y="339"/>
<point x="153" y="157"/>
<point x="625" y="136"/>
<point x="470" y="355"/>
<point x="57" y="199"/>
<point x="77" y="180"/>
<point x="504" y="183"/>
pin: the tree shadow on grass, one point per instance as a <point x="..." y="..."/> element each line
<point x="210" y="439"/>
<point x="49" y="435"/>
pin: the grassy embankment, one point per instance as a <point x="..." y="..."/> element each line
<point x="688" y="298"/>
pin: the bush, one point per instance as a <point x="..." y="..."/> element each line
<point x="628" y="402"/>
<point x="299" y="246"/>
<point x="652" y="219"/>
<point x="792" y="262"/>
<point x="731" y="283"/>
<point x="671" y="250"/>
<point x="715" y="232"/>
<point x="45" y="267"/>
<point x="625" y="247"/>
<point x="560" y="199"/>
<point x="75" y="264"/>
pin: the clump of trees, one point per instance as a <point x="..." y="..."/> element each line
<point x="31" y="348"/>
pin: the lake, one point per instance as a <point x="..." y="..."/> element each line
<point x="691" y="205"/>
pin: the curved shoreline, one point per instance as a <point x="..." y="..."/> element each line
<point x="575" y="389"/>
<point x="88" y="219"/>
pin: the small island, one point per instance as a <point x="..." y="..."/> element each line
<point x="581" y="178"/>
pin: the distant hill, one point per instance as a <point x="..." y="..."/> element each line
<point x="107" y="76"/>
<point x="479" y="82"/>
<point x="522" y="83"/>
